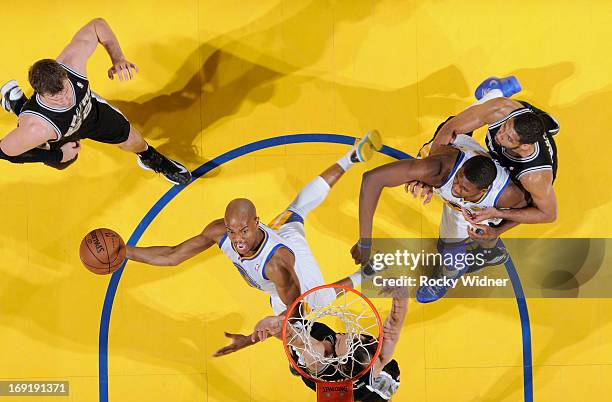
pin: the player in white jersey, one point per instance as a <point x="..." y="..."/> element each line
<point x="465" y="177"/>
<point x="453" y="226"/>
<point x="274" y="258"/>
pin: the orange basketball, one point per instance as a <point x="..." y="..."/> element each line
<point x="102" y="251"/>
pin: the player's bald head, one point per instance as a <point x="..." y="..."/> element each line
<point x="241" y="224"/>
<point x="240" y="210"/>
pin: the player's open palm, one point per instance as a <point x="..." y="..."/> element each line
<point x="124" y="69"/>
<point x="239" y="341"/>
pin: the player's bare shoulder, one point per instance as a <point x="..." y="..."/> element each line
<point x="535" y="180"/>
<point x="215" y="230"/>
<point x="440" y="163"/>
<point x="32" y="125"/>
<point x="513" y="197"/>
<point x="282" y="259"/>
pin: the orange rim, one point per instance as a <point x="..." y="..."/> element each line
<point x="346" y="289"/>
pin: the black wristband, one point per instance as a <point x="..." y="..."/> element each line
<point x="48" y="157"/>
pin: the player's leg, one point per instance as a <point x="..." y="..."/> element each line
<point x="13" y="97"/>
<point x="315" y="192"/>
<point x="149" y="158"/>
<point x="354" y="280"/>
<point x="290" y="223"/>
<point x="490" y="252"/>
<point x="362" y="151"/>
<point x="452" y="240"/>
<point x="134" y="142"/>
<point x="108" y="125"/>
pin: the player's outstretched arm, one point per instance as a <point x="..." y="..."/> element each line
<point x="239" y="341"/>
<point x="280" y="270"/>
<point x="174" y="255"/>
<point x="473" y="118"/>
<point x="394" y="174"/>
<point x="85" y="42"/>
<point x="391" y="330"/>
<point x="310" y="354"/>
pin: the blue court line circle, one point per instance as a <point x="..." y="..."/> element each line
<point x="241" y="151"/>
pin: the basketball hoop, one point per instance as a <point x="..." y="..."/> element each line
<point x="351" y="313"/>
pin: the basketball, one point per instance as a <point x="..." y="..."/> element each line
<point x="102" y="251"/>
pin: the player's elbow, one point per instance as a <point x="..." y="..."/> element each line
<point x="98" y="21"/>
<point x="9" y="151"/>
<point x="367" y="179"/>
<point x="96" y="25"/>
<point x="173" y="261"/>
<point x="372" y="179"/>
<point x="550" y="216"/>
<point x="171" y="258"/>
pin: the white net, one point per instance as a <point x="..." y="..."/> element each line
<point x="336" y="342"/>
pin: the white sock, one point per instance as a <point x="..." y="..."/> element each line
<point x="345" y="162"/>
<point x="356" y="278"/>
<point x="492" y="94"/>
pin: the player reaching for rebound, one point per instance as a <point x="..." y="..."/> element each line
<point x="466" y="178"/>
<point x="276" y="258"/>
<point x="519" y="136"/>
<point x="64" y="110"/>
<point x="381" y="381"/>
<point x="378" y="384"/>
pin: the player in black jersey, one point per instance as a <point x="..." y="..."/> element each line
<point x="382" y="380"/>
<point x="64" y="110"/>
<point x="378" y="384"/>
<point x="520" y="137"/>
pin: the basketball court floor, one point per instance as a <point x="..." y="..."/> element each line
<point x="218" y="75"/>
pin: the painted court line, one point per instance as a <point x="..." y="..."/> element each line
<point x="246" y="149"/>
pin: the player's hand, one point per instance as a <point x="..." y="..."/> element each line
<point x="70" y="150"/>
<point x="480" y="215"/>
<point x="123" y="69"/>
<point x="414" y="187"/>
<point x="361" y="253"/>
<point x="482" y="232"/>
<point x="239" y="341"/>
<point x="269" y="326"/>
<point x="396" y="292"/>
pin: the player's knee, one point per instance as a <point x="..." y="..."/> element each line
<point x="133" y="140"/>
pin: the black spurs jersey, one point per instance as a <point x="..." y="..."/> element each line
<point x="366" y="388"/>
<point x="64" y="121"/>
<point x="544" y="156"/>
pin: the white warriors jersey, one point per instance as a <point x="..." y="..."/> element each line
<point x="454" y="225"/>
<point x="253" y="268"/>
<point x="289" y="235"/>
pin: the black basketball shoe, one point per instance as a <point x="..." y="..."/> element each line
<point x="488" y="257"/>
<point x="172" y="170"/>
<point x="13" y="98"/>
